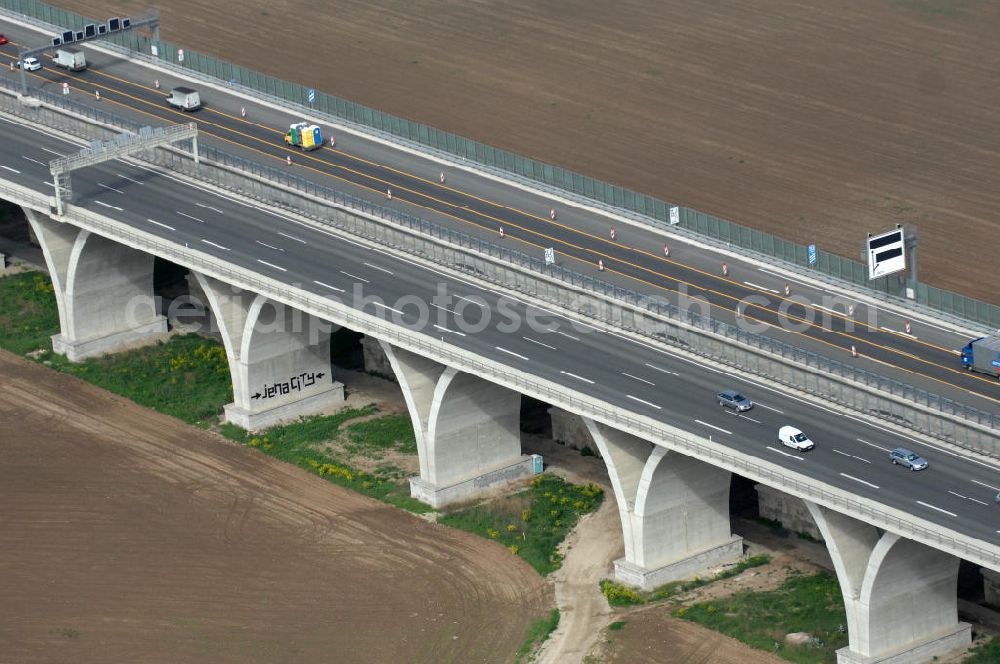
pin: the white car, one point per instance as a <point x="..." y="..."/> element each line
<point x="792" y="437"/>
<point x="30" y="64"/>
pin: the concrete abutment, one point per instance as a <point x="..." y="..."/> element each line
<point x="674" y="510"/>
<point x="103" y="289"/>
<point x="467" y="429"/>
<point x="900" y="595"/>
<point x="279" y="357"/>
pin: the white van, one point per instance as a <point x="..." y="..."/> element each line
<point x="185" y="99"/>
<point x="792" y="437"/>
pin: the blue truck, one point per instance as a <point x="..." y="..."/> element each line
<point x="983" y="355"/>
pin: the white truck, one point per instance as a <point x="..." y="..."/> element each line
<point x="185" y="99"/>
<point x="71" y="59"/>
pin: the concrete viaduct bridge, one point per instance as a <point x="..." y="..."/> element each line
<point x="669" y="452"/>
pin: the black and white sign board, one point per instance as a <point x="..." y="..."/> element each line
<point x="886" y="253"/>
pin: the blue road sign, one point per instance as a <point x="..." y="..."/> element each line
<point x="312" y="95"/>
<point x="812" y="254"/>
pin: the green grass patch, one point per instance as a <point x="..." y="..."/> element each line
<point x="621" y="595"/>
<point x="373" y="438"/>
<point x="538" y="633"/>
<point x="811" y="604"/>
<point x="616" y="626"/>
<point x="986" y="653"/>
<point x="533" y="522"/>
<point x="186" y="376"/>
<point x="295" y="443"/>
<point x="28" y="313"/>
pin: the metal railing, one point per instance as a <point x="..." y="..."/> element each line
<point x="574" y="401"/>
<point x="660" y="321"/>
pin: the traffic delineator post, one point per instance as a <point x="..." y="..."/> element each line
<point x="243" y="111"/>
<point x="501" y="232"/>
<point x="288" y="159"/>
<point x="854" y="351"/>
<point x="666" y="250"/>
<point x="614" y="234"/>
<point x="906" y="326"/>
<point x="788" y="290"/>
<point x="850" y="309"/>
<point x="441" y="177"/>
<point x="600" y="264"/>
<point x="97" y="95"/>
<point x="725" y="270"/>
<point x="388" y="194"/>
<point x="156" y="84"/>
<point x="552" y="214"/>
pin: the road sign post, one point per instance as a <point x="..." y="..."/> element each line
<point x="550" y="256"/>
<point x="311" y="95"/>
<point x="812" y="254"/>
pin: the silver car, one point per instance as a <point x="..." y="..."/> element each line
<point x="735" y="400"/>
<point x="904" y="457"/>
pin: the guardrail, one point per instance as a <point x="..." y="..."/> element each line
<point x="830" y="268"/>
<point x="851" y="387"/>
<point x="881" y="516"/>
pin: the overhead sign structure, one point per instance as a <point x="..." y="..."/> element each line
<point x="886" y="253"/>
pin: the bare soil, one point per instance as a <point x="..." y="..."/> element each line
<point x="129" y="536"/>
<point x="817" y="121"/>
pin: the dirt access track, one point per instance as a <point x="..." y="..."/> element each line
<point x="128" y="536"/>
<point x="817" y="121"/>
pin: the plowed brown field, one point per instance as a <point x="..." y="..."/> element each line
<point x="128" y="536"/>
<point x="820" y="121"/>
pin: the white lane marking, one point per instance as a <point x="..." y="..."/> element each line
<point x="539" y="343"/>
<point x="851" y="477"/>
<point x="902" y="334"/>
<point x="209" y="207"/>
<point x="164" y="225"/>
<point x="712" y="426"/>
<point x="443" y="308"/>
<point x="12" y="170"/>
<point x="40" y="163"/>
<point x="376" y="267"/>
<point x="469" y="299"/>
<point x="573" y="375"/>
<point x="779" y="412"/>
<point x="218" y="246"/>
<point x="117" y="191"/>
<point x="832" y="311"/>
<point x="985" y="485"/>
<point x="444" y="329"/>
<point x="200" y="221"/>
<point x="125" y="177"/>
<point x="510" y="352"/>
<point x="651" y="405"/>
<point x="353" y="276"/>
<point x="383" y="306"/>
<point x="920" y="502"/>
<point x="276" y="267"/>
<point x="878" y="447"/>
<point x="853" y="456"/>
<point x="320" y="283"/>
<point x="784" y="453"/>
<point x="567" y="335"/>
<point x="787" y="278"/>
<point x="292" y="237"/>
<point x="58" y="154"/>
<point x="968" y="498"/>
<point x="641" y="380"/>
<point x="758" y="286"/>
<point x="269" y="246"/>
<point x="666" y="371"/>
<point x="745" y="417"/>
<point x="113" y="207"/>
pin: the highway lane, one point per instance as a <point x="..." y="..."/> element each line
<point x="634" y="257"/>
<point x="850" y="453"/>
